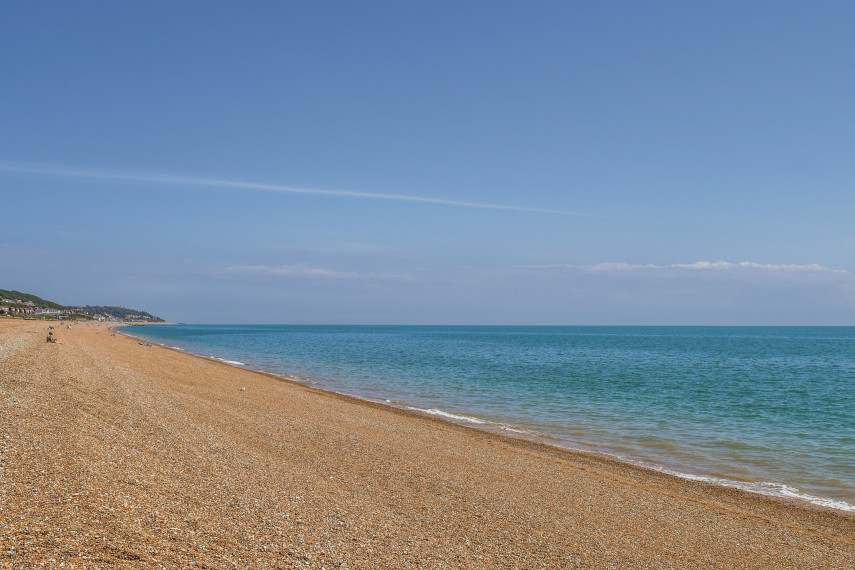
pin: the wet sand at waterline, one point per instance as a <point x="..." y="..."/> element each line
<point x="115" y="454"/>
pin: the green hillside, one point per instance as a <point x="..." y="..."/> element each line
<point x="117" y="313"/>
<point x="28" y="303"/>
<point x="8" y="298"/>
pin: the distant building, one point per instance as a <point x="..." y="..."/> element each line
<point x="47" y="311"/>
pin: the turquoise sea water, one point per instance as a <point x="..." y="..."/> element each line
<point x="770" y="409"/>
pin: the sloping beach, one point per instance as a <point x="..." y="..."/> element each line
<point x="117" y="454"/>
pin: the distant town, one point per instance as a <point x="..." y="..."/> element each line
<point x="28" y="306"/>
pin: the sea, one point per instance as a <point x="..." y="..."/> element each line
<point x="767" y="409"/>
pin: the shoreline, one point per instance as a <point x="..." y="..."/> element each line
<point x="130" y="442"/>
<point x="773" y="489"/>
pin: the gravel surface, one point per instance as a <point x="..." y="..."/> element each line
<point x="116" y="455"/>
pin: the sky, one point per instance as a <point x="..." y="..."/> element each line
<point x="474" y="162"/>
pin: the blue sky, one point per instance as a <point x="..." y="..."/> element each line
<point x="342" y="162"/>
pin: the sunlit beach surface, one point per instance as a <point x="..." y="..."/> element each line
<point x="114" y="453"/>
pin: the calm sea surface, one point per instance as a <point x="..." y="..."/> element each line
<point x="771" y="409"/>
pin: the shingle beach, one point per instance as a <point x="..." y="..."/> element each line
<point x="118" y="455"/>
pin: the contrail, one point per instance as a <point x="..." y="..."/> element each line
<point x="190" y="181"/>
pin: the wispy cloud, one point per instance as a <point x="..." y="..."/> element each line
<point x="298" y="270"/>
<point x="306" y="271"/>
<point x="698" y="266"/>
<point x="47" y="170"/>
<point x="9" y="250"/>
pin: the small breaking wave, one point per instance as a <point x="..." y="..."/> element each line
<point x="771" y="489"/>
<point x="485" y="424"/>
<point x="232" y="362"/>
<point x="457" y="417"/>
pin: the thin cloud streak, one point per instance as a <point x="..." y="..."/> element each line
<point x="304" y="270"/>
<point x="698" y="266"/>
<point x="190" y="181"/>
<point x="298" y="270"/>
